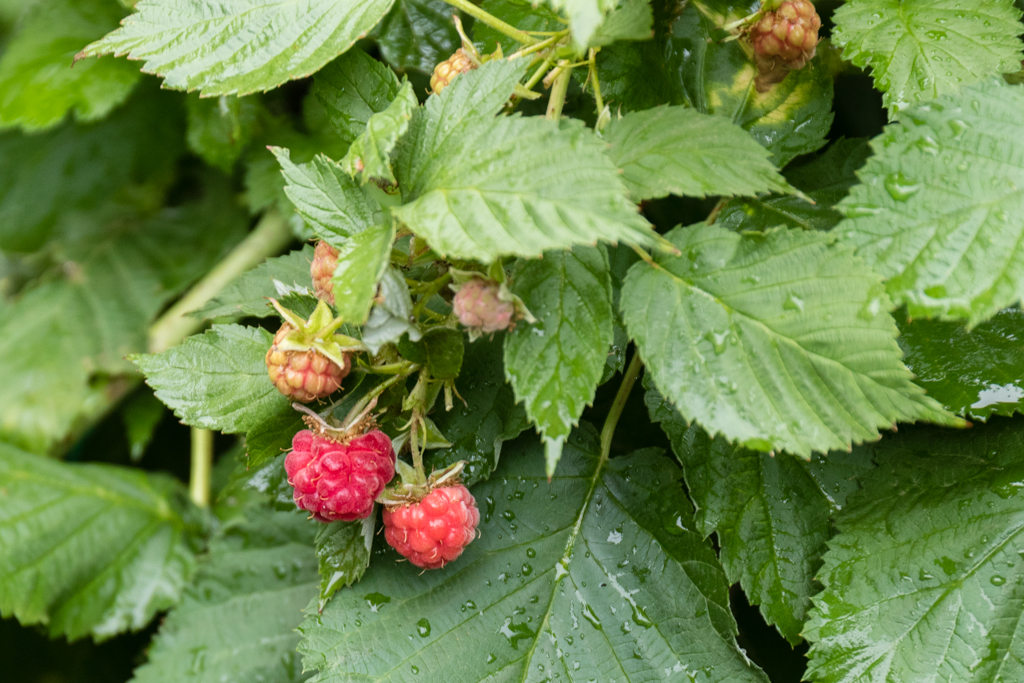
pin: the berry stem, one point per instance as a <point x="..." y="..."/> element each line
<point x="492" y="21"/>
<point x="558" y="90"/>
<point x="271" y="235"/>
<point x="628" y="380"/>
<point x="202" y="465"/>
<point x="435" y="287"/>
<point x="595" y="80"/>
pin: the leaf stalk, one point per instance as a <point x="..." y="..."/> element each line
<point x="610" y="422"/>
<point x="492" y="21"/>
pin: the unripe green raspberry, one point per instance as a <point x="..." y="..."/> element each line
<point x="445" y="72"/>
<point x="784" y="41"/>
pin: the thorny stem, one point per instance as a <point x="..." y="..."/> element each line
<point x="628" y="380"/>
<point x="271" y="235"/>
<point x="492" y="21"/>
<point x="202" y="466"/>
<point x="558" y="90"/>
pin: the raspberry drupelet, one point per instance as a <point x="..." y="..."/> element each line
<point x="434" y="531"/>
<point x="339" y="480"/>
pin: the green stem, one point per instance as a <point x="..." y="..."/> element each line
<point x="435" y="287"/>
<point x="202" y="466"/>
<point x="271" y="235"/>
<point x="393" y="368"/>
<point x="539" y="73"/>
<point x="492" y="21"/>
<point x="558" y="90"/>
<point x="542" y="45"/>
<point x="596" y="82"/>
<point x="628" y="380"/>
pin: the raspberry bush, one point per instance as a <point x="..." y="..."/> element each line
<point x="436" y="340"/>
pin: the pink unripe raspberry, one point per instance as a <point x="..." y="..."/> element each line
<point x="478" y="306"/>
<point x="325" y="262"/>
<point x="338" y="481"/>
<point x="436" y="530"/>
<point x="784" y="40"/>
<point x="303" y="375"/>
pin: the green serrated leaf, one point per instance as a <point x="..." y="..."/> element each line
<point x="59" y="338"/>
<point x="392" y="317"/>
<point x="488" y="417"/>
<point x="554" y="366"/>
<point x="47" y="178"/>
<point x="331" y="203"/>
<point x="37" y="84"/>
<point x="440" y="351"/>
<point x="141" y="414"/>
<point x="918" y="50"/>
<point x="268" y="479"/>
<point x="777" y="341"/>
<point x="369" y="157"/>
<point x="693" y="66"/>
<point x="771" y="514"/>
<point x="362" y="263"/>
<point x="237" y="621"/>
<point x="825" y="178"/>
<point x="417" y="34"/>
<point x="949" y="244"/>
<point x="551" y="582"/>
<point x="343" y="554"/>
<point x="519" y="13"/>
<point x="630" y="20"/>
<point x="218" y="380"/>
<point x="480" y="187"/>
<point x="675" y="150"/>
<point x="90" y="549"/>
<point x="585" y="17"/>
<point x="922" y="581"/>
<point x="976" y="373"/>
<point x="219" y="129"/>
<point x="352" y="88"/>
<point x="247" y="295"/>
<point x="238" y="47"/>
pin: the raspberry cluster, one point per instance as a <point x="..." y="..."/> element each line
<point x="784" y="40"/>
<point x="303" y="375"/>
<point x="434" y="531"/>
<point x="338" y="480"/>
<point x="325" y="262"/>
<point x="444" y="73"/>
<point x="479" y="307"/>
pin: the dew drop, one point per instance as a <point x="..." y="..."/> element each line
<point x="900" y="187"/>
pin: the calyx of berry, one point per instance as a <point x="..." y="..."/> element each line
<point x="318" y="333"/>
<point x="410" y="488"/>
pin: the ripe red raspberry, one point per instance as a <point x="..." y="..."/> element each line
<point x="783" y="41"/>
<point x="436" y="530"/>
<point x="325" y="262"/>
<point x="444" y="73"/>
<point x="479" y="306"/>
<point x="303" y="375"/>
<point x="338" y="480"/>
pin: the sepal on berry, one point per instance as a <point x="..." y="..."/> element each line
<point x="410" y="488"/>
<point x="307" y="360"/>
